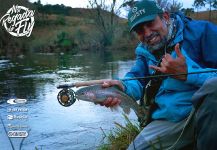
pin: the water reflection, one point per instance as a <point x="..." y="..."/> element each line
<point x="52" y="126"/>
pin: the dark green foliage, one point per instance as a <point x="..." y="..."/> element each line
<point x="121" y="137"/>
<point x="65" y="42"/>
<point x="52" y="9"/>
<point x="60" y="20"/>
<point x="202" y="3"/>
<point x="188" y="11"/>
<point x="96" y="32"/>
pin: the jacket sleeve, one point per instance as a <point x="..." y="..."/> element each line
<point x="197" y="79"/>
<point x="209" y="46"/>
<point x="134" y="88"/>
<point x="207" y="49"/>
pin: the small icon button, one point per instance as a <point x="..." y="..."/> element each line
<point x="17" y="134"/>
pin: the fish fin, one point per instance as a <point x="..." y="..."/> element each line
<point x="126" y="110"/>
<point x="114" y="108"/>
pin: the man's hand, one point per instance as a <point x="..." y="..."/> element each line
<point x="111" y="102"/>
<point x="170" y="65"/>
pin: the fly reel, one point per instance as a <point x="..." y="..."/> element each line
<point x="66" y="97"/>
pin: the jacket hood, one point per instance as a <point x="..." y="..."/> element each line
<point x="180" y="21"/>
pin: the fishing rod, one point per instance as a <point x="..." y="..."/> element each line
<point x="87" y="83"/>
<point x="66" y="97"/>
<point x="168" y="75"/>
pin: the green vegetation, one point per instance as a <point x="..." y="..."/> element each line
<point x="64" y="29"/>
<point x="121" y="137"/>
<point x="59" y="28"/>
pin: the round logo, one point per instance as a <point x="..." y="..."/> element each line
<point x="18" y="21"/>
<point x="134" y="9"/>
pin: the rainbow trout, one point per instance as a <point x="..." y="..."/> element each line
<point x="97" y="94"/>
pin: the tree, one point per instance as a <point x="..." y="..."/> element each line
<point x="170" y="6"/>
<point x="175" y="6"/>
<point x="203" y="3"/>
<point x="166" y="5"/>
<point x="187" y="11"/>
<point x="215" y="4"/>
<point x="199" y="3"/>
<point x="104" y="16"/>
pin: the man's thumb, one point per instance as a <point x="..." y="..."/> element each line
<point x="178" y="51"/>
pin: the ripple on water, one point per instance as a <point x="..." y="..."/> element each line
<point x="70" y="71"/>
<point x="41" y="76"/>
<point x="53" y="126"/>
<point x="4" y="64"/>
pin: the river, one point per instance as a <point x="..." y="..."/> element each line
<point x="49" y="125"/>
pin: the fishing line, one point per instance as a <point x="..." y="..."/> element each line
<point x="168" y="75"/>
<point x="183" y="129"/>
<point x="6" y="133"/>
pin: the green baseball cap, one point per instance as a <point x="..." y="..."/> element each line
<point x="143" y="11"/>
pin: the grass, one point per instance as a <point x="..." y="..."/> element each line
<point x="204" y="15"/>
<point x="121" y="137"/>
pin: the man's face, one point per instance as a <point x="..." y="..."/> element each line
<point x="153" y="33"/>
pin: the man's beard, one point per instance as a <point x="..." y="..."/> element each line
<point x="156" y="46"/>
<point x="161" y="44"/>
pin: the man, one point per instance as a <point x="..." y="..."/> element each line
<point x="171" y="44"/>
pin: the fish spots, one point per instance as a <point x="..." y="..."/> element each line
<point x="91" y="95"/>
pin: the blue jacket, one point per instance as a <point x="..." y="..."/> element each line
<point x="174" y="96"/>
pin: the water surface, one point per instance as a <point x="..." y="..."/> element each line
<point x="51" y="126"/>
